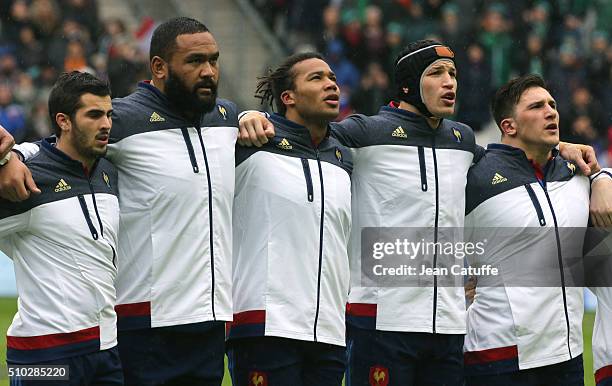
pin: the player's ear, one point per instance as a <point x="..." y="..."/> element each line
<point x="63" y="121"/>
<point x="159" y="68"/>
<point x="508" y="127"/>
<point x="288" y="98"/>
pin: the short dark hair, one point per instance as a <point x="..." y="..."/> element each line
<point x="271" y="86"/>
<point x="65" y="96"/>
<point x="508" y="95"/>
<point x="164" y="37"/>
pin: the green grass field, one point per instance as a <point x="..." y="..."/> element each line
<point x="8" y="307"/>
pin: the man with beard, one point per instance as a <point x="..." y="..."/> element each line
<point x="63" y="241"/>
<point x="173" y="145"/>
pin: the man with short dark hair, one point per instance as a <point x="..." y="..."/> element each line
<point x="63" y="242"/>
<point x="519" y="334"/>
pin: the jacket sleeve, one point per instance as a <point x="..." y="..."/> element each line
<point x="12" y="218"/>
<point x="603" y="173"/>
<point x="352" y="132"/>
<point x="27" y="149"/>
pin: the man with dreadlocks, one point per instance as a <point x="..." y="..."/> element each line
<point x="411" y="166"/>
<point x="291" y="277"/>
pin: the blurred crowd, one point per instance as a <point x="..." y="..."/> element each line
<point x="565" y="41"/>
<point x="39" y="39"/>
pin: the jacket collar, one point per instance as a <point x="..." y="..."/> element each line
<point x="417" y="120"/>
<point x="47" y="145"/>
<point x="300" y="132"/>
<point x="515" y="151"/>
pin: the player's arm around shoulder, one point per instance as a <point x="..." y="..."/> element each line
<point x="16" y="182"/>
<point x="601" y="198"/>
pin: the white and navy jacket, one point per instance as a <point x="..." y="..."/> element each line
<point x="176" y="180"/>
<point x="602" y="335"/>
<point x="406" y="174"/>
<point x="63" y="244"/>
<point x="291" y="226"/>
<point x="602" y="331"/>
<point x="512" y="327"/>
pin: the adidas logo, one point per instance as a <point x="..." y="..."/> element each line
<point x="156" y="118"/>
<point x="399" y="132"/>
<point x="284" y="144"/>
<point x="498" y="178"/>
<point x="62" y="186"/>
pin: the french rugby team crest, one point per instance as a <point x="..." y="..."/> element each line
<point x="258" y="378"/>
<point x="106" y="179"/>
<point x="457" y="135"/>
<point x="222" y="111"/>
<point x="379" y="376"/>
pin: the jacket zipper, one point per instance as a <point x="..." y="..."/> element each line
<point x="308" y="177"/>
<point x="93" y="197"/>
<point x="559" y="256"/>
<point x="192" y="158"/>
<point x="536" y="204"/>
<point x="320" y="244"/>
<point x="435" y="260"/>
<point x="114" y="256"/>
<point x="423" y="169"/>
<point x="210" y="219"/>
<point x="92" y="229"/>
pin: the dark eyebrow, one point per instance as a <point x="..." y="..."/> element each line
<point x="321" y="73"/>
<point x="95" y="112"/>
<point x="315" y="73"/>
<point x="198" y="55"/>
<point x="536" y="103"/>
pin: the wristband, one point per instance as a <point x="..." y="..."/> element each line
<point x="6" y="158"/>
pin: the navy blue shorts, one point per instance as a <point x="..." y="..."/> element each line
<point x="102" y="368"/>
<point x="272" y="361"/>
<point x="603" y="376"/>
<point x="190" y="354"/>
<point x="569" y="373"/>
<point x="605" y="382"/>
<point x="387" y="358"/>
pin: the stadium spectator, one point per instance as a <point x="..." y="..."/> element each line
<point x="125" y="65"/>
<point x="566" y="74"/>
<point x="12" y="115"/>
<point x="533" y="61"/>
<point x="497" y="43"/>
<point x="475" y="87"/>
<point x="84" y="12"/>
<point x="45" y="17"/>
<point x="331" y="27"/>
<point x="373" y="90"/>
<point x="30" y="52"/>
